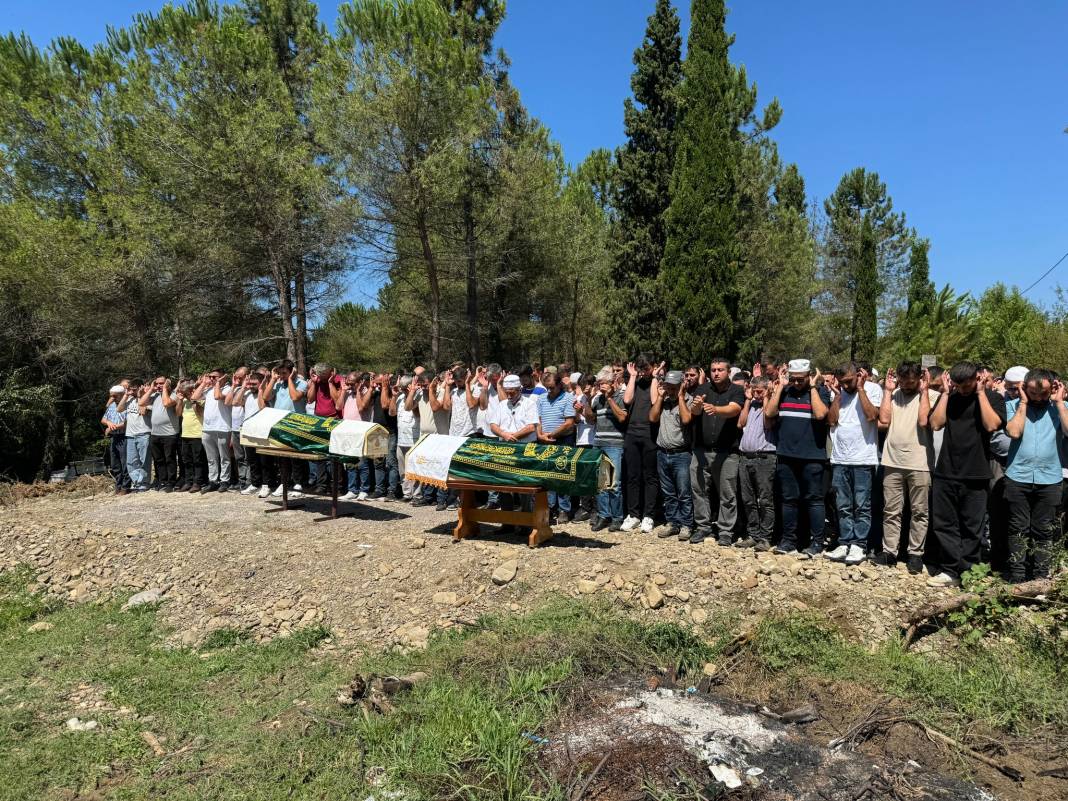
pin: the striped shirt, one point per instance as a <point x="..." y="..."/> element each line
<point x="553" y="412"/>
<point x="801" y="436"/>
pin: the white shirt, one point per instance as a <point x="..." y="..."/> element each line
<point x="216" y="412"/>
<point x="485" y="416"/>
<point x="252" y="405"/>
<point x="462" y="421"/>
<point x="584" y="432"/>
<point x="407" y="423"/>
<point x="511" y="417"/>
<point x="855" y="440"/>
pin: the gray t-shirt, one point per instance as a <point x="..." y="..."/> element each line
<point x="673" y="435"/>
<point x="164" y="420"/>
<point x="609" y="432"/>
<point x="137" y="423"/>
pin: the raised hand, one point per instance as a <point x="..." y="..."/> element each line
<point x="1057" y="395"/>
<point x="757" y="370"/>
<point x="631" y="370"/>
<point x="748" y="392"/>
<point x="891" y="380"/>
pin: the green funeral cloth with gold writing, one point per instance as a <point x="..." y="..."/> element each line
<point x="305" y="433"/>
<point x="559" y="468"/>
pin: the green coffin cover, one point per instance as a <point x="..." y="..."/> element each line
<point x="560" y="468"/>
<point x="305" y="433"/>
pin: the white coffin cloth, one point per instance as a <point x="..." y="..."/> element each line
<point x="428" y="461"/>
<point x="256" y="430"/>
<point x="357" y="438"/>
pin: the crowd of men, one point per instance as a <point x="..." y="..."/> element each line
<point x="781" y="457"/>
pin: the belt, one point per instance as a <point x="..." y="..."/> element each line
<point x="759" y="455"/>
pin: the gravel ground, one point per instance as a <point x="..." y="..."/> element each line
<point x="390" y="574"/>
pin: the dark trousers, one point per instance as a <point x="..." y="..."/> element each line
<point x="800" y="482"/>
<point x="756" y="475"/>
<point x="255" y="469"/>
<point x="117" y="458"/>
<point x="1032" y="527"/>
<point x="165" y="459"/>
<point x="643" y="479"/>
<point x="194" y="465"/>
<point x="957" y="512"/>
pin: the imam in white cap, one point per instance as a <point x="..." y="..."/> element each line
<point x="576" y="377"/>
<point x="512" y="382"/>
<point x="118" y="389"/>
<point x="1016" y="373"/>
<point x="799" y="366"/>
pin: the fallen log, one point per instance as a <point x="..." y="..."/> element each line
<point x="1029" y="590"/>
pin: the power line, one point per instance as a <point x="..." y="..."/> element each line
<point x="1042" y="277"/>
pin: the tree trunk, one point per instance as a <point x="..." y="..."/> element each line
<point x="300" y="341"/>
<point x="574" y="325"/>
<point x="472" y="280"/>
<point x="285" y="308"/>
<point x="435" y="289"/>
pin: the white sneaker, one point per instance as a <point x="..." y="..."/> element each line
<point x="251" y="489"/>
<point x="943" y="580"/>
<point x="855" y="556"/>
<point x="297" y="491"/>
<point x="647" y="525"/>
<point x="838" y="554"/>
<point x="265" y="492"/>
<point x="362" y="496"/>
<point x="630" y="523"/>
<point x="277" y="493"/>
<point x="348" y="496"/>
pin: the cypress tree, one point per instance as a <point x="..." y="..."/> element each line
<point x="921" y="295"/>
<point x="705" y="251"/>
<point x="643" y="179"/>
<point x="866" y="298"/>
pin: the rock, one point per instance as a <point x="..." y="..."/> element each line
<point x="699" y="616"/>
<point x="144" y="597"/>
<point x="283" y="603"/>
<point x="750" y="581"/>
<point x="415" y="543"/>
<point x="587" y="587"/>
<point x="652" y="595"/>
<point x="659" y="579"/>
<point x="682" y="595"/>
<point x="710" y="669"/>
<point x="618" y="581"/>
<point x="43" y="625"/>
<point x="74" y="724"/>
<point x="444" y="598"/>
<point x="505" y="572"/>
<point x="704" y="572"/>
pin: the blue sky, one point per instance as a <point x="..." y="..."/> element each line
<point x="959" y="106"/>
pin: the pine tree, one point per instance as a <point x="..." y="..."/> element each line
<point x="790" y="189"/>
<point x="921" y="289"/>
<point x="866" y="296"/>
<point x="704" y="252"/>
<point x="643" y="179"/>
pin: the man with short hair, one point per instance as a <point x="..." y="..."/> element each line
<point x="1037" y="424"/>
<point x="800" y="409"/>
<point x="282" y="391"/>
<point x="215" y="395"/>
<point x="904" y="414"/>
<point x="969" y="412"/>
<point x="853" y="420"/>
<point x="714" y="466"/>
<point x="114" y="422"/>
<point x="240" y="465"/>
<point x="556" y="426"/>
<point x="164" y="441"/>
<point x="515" y="419"/>
<point x="530" y="381"/>
<point x="608" y="412"/>
<point x="674" y="411"/>
<point x="384" y="413"/>
<point x="138" y="431"/>
<point x="756" y="467"/>
<point x="324" y="385"/>
<point x="639" y="447"/>
<point x="245" y="398"/>
<point x="407" y="415"/>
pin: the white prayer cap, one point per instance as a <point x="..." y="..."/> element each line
<point x="734" y="371"/>
<point x="874" y="373"/>
<point x="118" y="389"/>
<point x="576" y="377"/>
<point x="512" y="382"/>
<point x="1017" y="373"/>
<point x="799" y="366"/>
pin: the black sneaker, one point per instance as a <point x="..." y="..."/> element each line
<point x="441" y="507"/>
<point x="599" y="524"/>
<point x="183" y="488"/>
<point x="224" y="488"/>
<point x="915" y="565"/>
<point x="883" y="559"/>
<point x="723" y="541"/>
<point x="420" y="502"/>
<point x="581" y="517"/>
<point x="168" y="488"/>
<point x="208" y="488"/>
<point x="615" y="525"/>
<point x="745" y="542"/>
<point x="697" y="538"/>
<point x="761" y="545"/>
<point x="812" y="551"/>
<point x="388" y="499"/>
<point x="667" y="532"/>
<point x="377" y="496"/>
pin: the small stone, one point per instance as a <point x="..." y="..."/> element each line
<point x="415" y="543"/>
<point x="444" y="598"/>
<point x="659" y="579"/>
<point x="652" y="595"/>
<point x="699" y="616"/>
<point x="704" y="572"/>
<point x="74" y="724"/>
<point x="142" y="598"/>
<point x="283" y="603"/>
<point x="710" y="668"/>
<point x="587" y="587"/>
<point x="505" y="572"/>
<point x="750" y="581"/>
<point x="682" y="595"/>
<point x="43" y="625"/>
<point x="618" y="581"/>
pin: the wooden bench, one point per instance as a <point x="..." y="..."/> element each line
<point x="537" y="521"/>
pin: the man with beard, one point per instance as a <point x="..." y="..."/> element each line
<point x="756" y="467"/>
<point x="639" y="447"/>
<point x="672" y="410"/>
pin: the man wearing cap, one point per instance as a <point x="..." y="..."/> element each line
<point x="800" y="409"/>
<point x="714" y="464"/>
<point x="674" y="442"/>
<point x="114" y="423"/>
<point x="514" y="419"/>
<point x="1037" y="424"/>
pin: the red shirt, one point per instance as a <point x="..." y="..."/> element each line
<point x="324" y="403"/>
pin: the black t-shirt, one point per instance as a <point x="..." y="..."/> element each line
<point x="716" y="433"/>
<point x="801" y="435"/>
<point x="965" y="453"/>
<point x="380" y="414"/>
<point x="638" y="425"/>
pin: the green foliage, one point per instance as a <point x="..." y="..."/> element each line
<point x="866" y="297"/>
<point x="986" y="614"/>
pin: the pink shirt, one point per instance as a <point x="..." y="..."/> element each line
<point x="324" y="403"/>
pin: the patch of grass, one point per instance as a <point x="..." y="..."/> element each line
<point x="1015" y="686"/>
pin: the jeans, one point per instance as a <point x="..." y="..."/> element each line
<point x="386" y="469"/>
<point x="643" y="483"/>
<point x="165" y="458"/>
<point x="896" y="482"/>
<point x="137" y="462"/>
<point x="852" y="486"/>
<point x="800" y="480"/>
<point x="714" y="472"/>
<point x="957" y="512"/>
<point x="1032" y="527"/>
<point x="360" y="477"/>
<point x="674" y="470"/>
<point x="217" y="449"/>
<point x="756" y="479"/>
<point x="117" y="452"/>
<point x="241" y="472"/>
<point x="194" y="468"/>
<point x="610" y="501"/>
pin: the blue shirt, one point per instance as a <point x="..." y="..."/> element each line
<point x="114" y="416"/>
<point x="281" y="395"/>
<point x="553" y="413"/>
<point x="1034" y="458"/>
